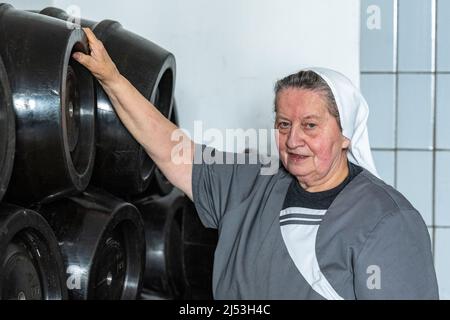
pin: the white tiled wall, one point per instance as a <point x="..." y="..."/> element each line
<point x="415" y="180"/>
<point x="415" y="35"/>
<point x="385" y="164"/>
<point x="382" y="108"/>
<point x="415" y="111"/>
<point x="405" y="66"/>
<point x="443" y="189"/>
<point x="442" y="261"/>
<point x="443" y="22"/>
<point x="377" y="48"/>
<point x="443" y="109"/>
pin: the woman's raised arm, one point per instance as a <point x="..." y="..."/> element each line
<point x="147" y="125"/>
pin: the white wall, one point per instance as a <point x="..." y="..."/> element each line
<point x="29" y="4"/>
<point x="230" y="53"/>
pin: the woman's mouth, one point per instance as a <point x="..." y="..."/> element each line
<point x="297" y="157"/>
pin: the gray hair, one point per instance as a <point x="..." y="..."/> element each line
<point x="311" y="81"/>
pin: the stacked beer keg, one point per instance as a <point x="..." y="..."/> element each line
<point x="84" y="212"/>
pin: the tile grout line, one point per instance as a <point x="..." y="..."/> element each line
<point x="434" y="119"/>
<point x="396" y="17"/>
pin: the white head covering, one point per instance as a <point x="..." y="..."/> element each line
<point x="353" y="113"/>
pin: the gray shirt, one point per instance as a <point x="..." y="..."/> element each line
<point x="370" y="244"/>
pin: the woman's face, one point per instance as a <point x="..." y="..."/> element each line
<point x="311" y="145"/>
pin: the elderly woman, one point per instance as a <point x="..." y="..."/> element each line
<point x="323" y="227"/>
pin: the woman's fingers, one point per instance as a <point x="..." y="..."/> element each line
<point x="97" y="61"/>
<point x="89" y="60"/>
<point x="82" y="58"/>
<point x="92" y="39"/>
<point x="86" y="59"/>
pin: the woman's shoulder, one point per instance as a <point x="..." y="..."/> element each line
<point x="377" y="193"/>
<point x="367" y="200"/>
<point x="370" y="208"/>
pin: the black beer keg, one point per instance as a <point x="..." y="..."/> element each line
<point x="102" y="243"/>
<point x="53" y="100"/>
<point x="7" y="131"/>
<point x="180" y="251"/>
<point x="31" y="266"/>
<point x="122" y="166"/>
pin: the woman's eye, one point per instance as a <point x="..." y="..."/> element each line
<point x="283" y="125"/>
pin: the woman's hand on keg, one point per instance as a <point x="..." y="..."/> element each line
<point x="98" y="62"/>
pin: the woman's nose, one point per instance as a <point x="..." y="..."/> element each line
<point x="295" y="138"/>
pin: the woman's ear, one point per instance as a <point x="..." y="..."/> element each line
<point x="345" y="143"/>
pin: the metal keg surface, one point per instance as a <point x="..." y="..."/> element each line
<point x="164" y="269"/>
<point x="53" y="100"/>
<point x="122" y="166"/>
<point x="7" y="131"/>
<point x="180" y="250"/>
<point x="199" y="245"/>
<point x="31" y="265"/>
<point x="102" y="242"/>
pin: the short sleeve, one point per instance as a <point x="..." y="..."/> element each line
<point x="396" y="261"/>
<point x="222" y="184"/>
